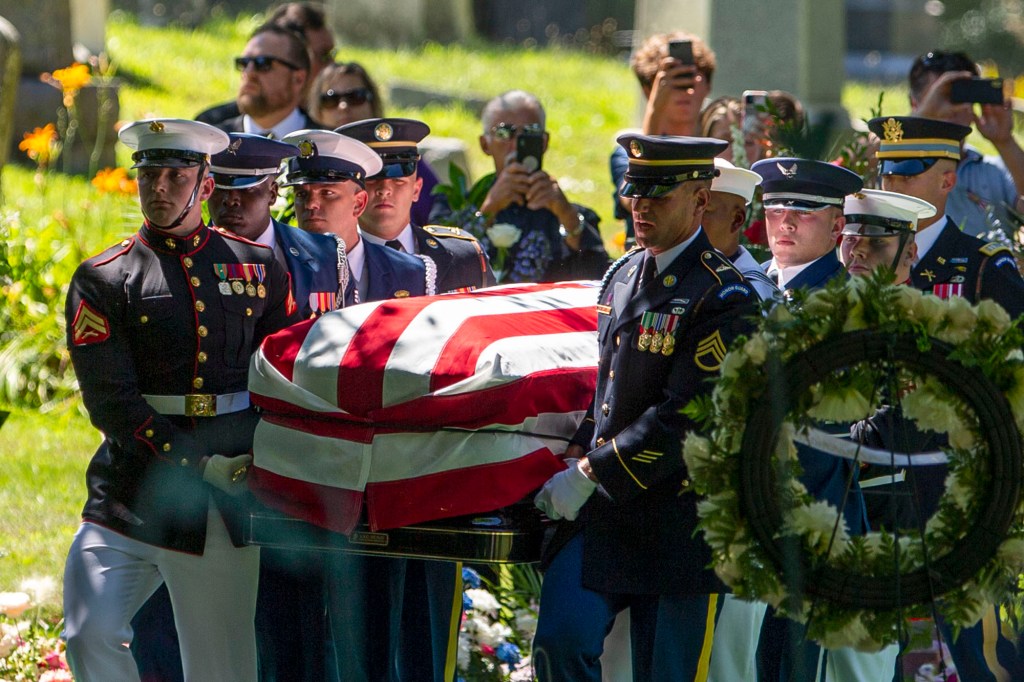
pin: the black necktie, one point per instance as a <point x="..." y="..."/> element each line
<point x="649" y="271"/>
<point x="393" y="244"/>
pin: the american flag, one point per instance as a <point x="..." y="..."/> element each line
<point x="423" y="408"/>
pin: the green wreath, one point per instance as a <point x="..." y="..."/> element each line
<point x="832" y="356"/>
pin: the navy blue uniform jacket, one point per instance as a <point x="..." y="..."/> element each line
<point x="639" y="537"/>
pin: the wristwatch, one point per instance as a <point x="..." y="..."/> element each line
<point x="576" y="230"/>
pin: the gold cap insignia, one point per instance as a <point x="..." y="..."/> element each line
<point x="788" y="172"/>
<point x="383" y="132"/>
<point x="636" y="149"/>
<point x="893" y="130"/>
<point x="306" y="149"/>
<point x="233" y="147"/>
<point x="431" y="242"/>
<point x="156" y="127"/>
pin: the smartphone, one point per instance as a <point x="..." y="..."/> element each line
<point x="681" y="50"/>
<point x="980" y="90"/>
<point x="754" y="110"/>
<point x="530" y="150"/>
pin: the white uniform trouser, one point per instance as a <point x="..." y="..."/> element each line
<point x="108" y="577"/>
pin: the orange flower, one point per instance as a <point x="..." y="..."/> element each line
<point x="38" y="144"/>
<point x="619" y="240"/>
<point x="73" y="78"/>
<point x="114" y="181"/>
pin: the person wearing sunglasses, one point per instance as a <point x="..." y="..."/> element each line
<point x="345" y="93"/>
<point x="460" y="261"/>
<point x="987" y="186"/>
<point x="274" y="69"/>
<point x="559" y="240"/>
<point x="308" y="20"/>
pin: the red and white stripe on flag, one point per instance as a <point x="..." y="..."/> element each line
<point x="424" y="408"/>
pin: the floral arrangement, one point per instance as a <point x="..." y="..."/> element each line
<point x="31" y="648"/>
<point x="498" y="623"/>
<point x="502" y="236"/>
<point x="983" y="340"/>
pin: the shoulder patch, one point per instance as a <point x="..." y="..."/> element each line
<point x="445" y="232"/>
<point x="89" y="326"/>
<point x="992" y="248"/>
<point x="730" y="289"/>
<point x="1005" y="260"/>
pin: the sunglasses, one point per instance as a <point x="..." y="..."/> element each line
<point x="263" y="63"/>
<point x="353" y="97"/>
<point x="506" y="131"/>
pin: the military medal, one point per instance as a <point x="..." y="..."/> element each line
<point x="250" y="290"/>
<point x="646" y="324"/>
<point x="261" y="273"/>
<point x="656" y="341"/>
<point x="236" y="286"/>
<point x="222" y="275"/>
<point x="668" y="345"/>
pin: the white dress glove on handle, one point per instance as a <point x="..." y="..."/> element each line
<point x="227" y="473"/>
<point x="565" y="493"/>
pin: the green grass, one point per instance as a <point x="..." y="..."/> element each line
<point x="42" y="488"/>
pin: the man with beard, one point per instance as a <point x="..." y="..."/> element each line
<point x="160" y="329"/>
<point x="275" y="67"/>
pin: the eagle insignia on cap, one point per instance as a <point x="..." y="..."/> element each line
<point x="306" y="149"/>
<point x="893" y="130"/>
<point x="636" y="149"/>
<point x="383" y="132"/>
<point x="233" y="147"/>
<point x="788" y="172"/>
<point x="156" y="127"/>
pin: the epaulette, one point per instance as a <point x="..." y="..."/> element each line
<point x="238" y="238"/>
<point x="125" y="246"/>
<point x="716" y="263"/>
<point x="444" y="232"/>
<point x="615" y="268"/>
<point x="992" y="248"/>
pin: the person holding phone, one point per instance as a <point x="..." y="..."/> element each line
<point x="558" y="239"/>
<point x="985" y="185"/>
<point x="674" y="71"/>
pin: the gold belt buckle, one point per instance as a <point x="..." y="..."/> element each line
<point x="200" y="405"/>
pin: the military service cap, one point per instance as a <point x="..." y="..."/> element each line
<point x="876" y="213"/>
<point x="659" y="163"/>
<point x="326" y="157"/>
<point x="803" y="184"/>
<point x="172" y="142"/>
<point x="910" y="145"/>
<point x="395" y="139"/>
<point x="249" y="160"/>
<point x="733" y="180"/>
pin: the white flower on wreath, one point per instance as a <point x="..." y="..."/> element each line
<point x="927" y="407"/>
<point x="696" y="452"/>
<point x="994" y="315"/>
<point x="816" y="522"/>
<point x="503" y="235"/>
<point x="756" y="349"/>
<point x="958" y="322"/>
<point x="847" y="404"/>
<point x="1011" y="552"/>
<point x="958" y="491"/>
<point x="853" y="634"/>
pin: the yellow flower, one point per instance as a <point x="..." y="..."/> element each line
<point x="114" y="181"/>
<point x="73" y="78"/>
<point x="619" y="240"/>
<point x="38" y="144"/>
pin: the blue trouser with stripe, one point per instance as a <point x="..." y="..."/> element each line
<point x="671" y="635"/>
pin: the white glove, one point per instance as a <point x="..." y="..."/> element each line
<point x="565" y="493"/>
<point x="227" y="473"/>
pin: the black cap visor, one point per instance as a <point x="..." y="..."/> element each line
<point x="395" y="169"/>
<point x="225" y="181"/>
<point x="905" y="166"/>
<point x="167" y="158"/>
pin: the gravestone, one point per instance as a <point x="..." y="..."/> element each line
<point x="400" y="22"/>
<point x="48" y="29"/>
<point x="10" y="72"/>
<point x="792" y="45"/>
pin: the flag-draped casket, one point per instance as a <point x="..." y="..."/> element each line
<point x="423" y="408"/>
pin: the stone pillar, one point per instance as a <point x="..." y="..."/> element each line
<point x="47" y="38"/>
<point x="792" y="45"/>
<point x="10" y="72"/>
